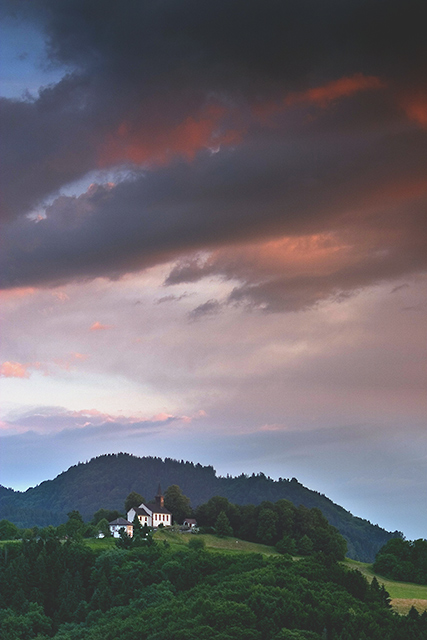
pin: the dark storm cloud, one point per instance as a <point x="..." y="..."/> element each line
<point x="146" y="68"/>
<point x="159" y="62"/>
<point x="254" y="192"/>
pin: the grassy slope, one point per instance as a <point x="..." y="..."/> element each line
<point x="179" y="540"/>
<point x="403" y="595"/>
<point x="232" y="545"/>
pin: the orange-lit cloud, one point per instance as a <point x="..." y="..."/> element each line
<point x="14" y="370"/>
<point x="322" y="95"/>
<point x="97" y="326"/>
<point x="415" y="107"/>
<point x="139" y="145"/>
<point x="21" y="292"/>
<point x="341" y="88"/>
<point x="80" y="356"/>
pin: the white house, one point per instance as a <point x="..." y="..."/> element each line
<point x="191" y="523"/>
<point x="117" y="525"/>
<point x="153" y="513"/>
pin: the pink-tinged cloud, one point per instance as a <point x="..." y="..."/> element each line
<point x="68" y="363"/>
<point x="97" y="326"/>
<point x="271" y="427"/>
<point x="321" y="96"/>
<point x="61" y="296"/>
<point x="415" y="107"/>
<point x="20" y="292"/>
<point x="14" y="370"/>
<point x="132" y="142"/>
<point x="162" y="417"/>
<point x="341" y="88"/>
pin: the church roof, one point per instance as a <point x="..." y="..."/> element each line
<point x="156" y="508"/>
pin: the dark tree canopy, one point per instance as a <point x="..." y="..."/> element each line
<point x="133" y="501"/>
<point x="177" y="503"/>
<point x="59" y="590"/>
<point x="222" y="526"/>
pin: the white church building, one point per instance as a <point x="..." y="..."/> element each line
<point x="153" y="513"/>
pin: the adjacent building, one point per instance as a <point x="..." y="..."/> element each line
<point x="120" y="524"/>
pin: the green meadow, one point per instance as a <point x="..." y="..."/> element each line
<point x="213" y="543"/>
<point x="403" y="595"/>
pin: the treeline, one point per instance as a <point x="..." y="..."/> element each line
<point x="66" y="591"/>
<point x="108" y="478"/>
<point x="403" y="560"/>
<point x="293" y="530"/>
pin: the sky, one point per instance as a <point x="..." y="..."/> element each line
<point x="213" y="241"/>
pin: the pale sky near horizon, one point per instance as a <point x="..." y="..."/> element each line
<point x="213" y="242"/>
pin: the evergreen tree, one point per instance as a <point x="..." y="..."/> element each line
<point x="222" y="526"/>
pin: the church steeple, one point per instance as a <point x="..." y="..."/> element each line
<point x="159" y="497"/>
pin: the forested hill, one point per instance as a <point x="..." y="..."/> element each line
<point x="104" y="482"/>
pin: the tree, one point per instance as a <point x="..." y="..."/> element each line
<point x="8" y="530"/>
<point x="177" y="503"/>
<point x="75" y="525"/>
<point x="267" y="532"/>
<point x="103" y="527"/>
<point x="222" y="526"/>
<point x="108" y="514"/>
<point x="287" y="545"/>
<point x="133" y="501"/>
<point x="305" y="546"/>
<point x="124" y="541"/>
<point x="196" y="544"/>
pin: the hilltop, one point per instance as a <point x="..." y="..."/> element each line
<point x="105" y="482"/>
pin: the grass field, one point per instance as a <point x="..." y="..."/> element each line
<point x="100" y="544"/>
<point x="179" y="540"/>
<point x="403" y="595"/>
<point x="212" y="543"/>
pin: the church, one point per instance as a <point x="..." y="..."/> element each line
<point x="152" y="514"/>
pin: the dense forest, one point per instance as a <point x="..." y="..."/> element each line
<point x="66" y="591"/>
<point x="105" y="481"/>
<point x="293" y="530"/>
<point x="403" y="560"/>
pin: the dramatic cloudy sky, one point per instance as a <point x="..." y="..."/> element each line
<point x="213" y="241"/>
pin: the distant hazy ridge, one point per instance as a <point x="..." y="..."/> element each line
<point x="104" y="482"/>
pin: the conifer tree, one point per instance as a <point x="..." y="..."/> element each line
<point x="222" y="526"/>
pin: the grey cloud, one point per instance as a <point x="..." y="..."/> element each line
<point x="66" y="424"/>
<point x="256" y="191"/>
<point x="211" y="307"/>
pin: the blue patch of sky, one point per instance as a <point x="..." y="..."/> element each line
<point x="24" y="67"/>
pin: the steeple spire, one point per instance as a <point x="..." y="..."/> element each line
<point x="159" y="497"/>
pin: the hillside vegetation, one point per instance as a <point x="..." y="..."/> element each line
<point x="69" y="591"/>
<point x="107" y="480"/>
